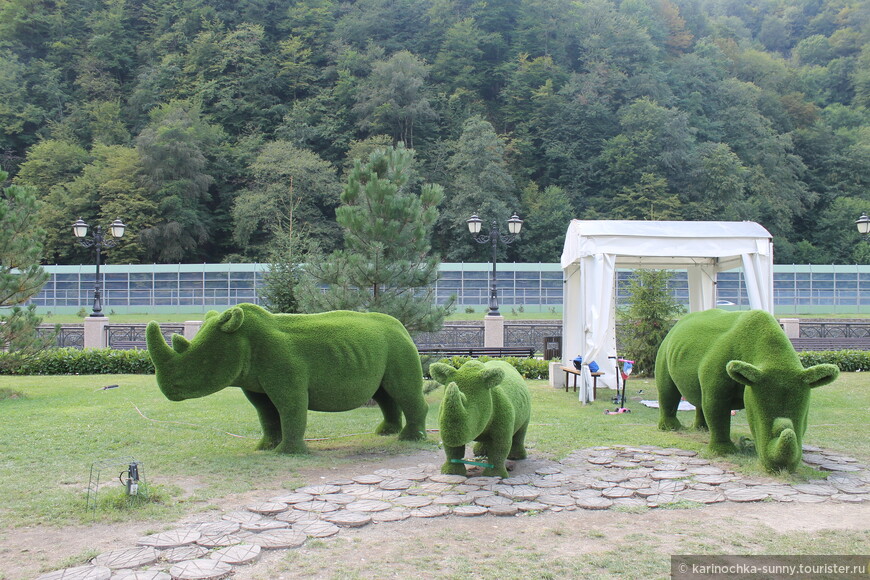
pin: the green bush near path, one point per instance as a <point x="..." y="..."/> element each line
<point x="196" y="452"/>
<point x="106" y="361"/>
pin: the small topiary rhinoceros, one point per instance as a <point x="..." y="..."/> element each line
<point x="484" y="402"/>
<point x="287" y="364"/>
<point x="721" y="361"/>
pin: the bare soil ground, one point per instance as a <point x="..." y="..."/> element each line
<point x="567" y="544"/>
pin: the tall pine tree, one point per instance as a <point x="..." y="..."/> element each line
<point x="385" y="265"/>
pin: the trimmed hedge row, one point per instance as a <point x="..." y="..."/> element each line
<point x="106" y="361"/>
<point x="848" y="361"/>
<point x="72" y="361"/>
<point x="529" y="368"/>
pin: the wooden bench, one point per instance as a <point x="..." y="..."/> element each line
<point x="572" y="371"/>
<point x="837" y="343"/>
<point x="478" y="351"/>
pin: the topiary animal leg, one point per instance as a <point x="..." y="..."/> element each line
<point x="404" y="384"/>
<point x="392" y="422"/>
<point x="700" y="420"/>
<point x="270" y="420"/>
<point x="718" y="415"/>
<point x="449" y="466"/>
<point x="669" y="401"/>
<point x="518" y="444"/>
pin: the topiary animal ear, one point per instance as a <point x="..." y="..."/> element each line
<point x="179" y="343"/>
<point x="231" y="320"/>
<point x="211" y="314"/>
<point x="820" y="375"/>
<point x="492" y="378"/>
<point x="442" y="373"/>
<point x="744" y="373"/>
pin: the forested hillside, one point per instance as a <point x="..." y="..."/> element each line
<point x="205" y="125"/>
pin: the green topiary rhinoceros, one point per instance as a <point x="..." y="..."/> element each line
<point x="721" y="361"/>
<point x="484" y="402"/>
<point x="287" y="364"/>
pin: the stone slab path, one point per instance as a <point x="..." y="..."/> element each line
<point x="597" y="478"/>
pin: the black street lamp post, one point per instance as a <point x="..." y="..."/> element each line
<point x="98" y="241"/>
<point x="515" y="224"/>
<point x="863" y="224"/>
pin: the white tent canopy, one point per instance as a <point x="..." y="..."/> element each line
<point x="594" y="249"/>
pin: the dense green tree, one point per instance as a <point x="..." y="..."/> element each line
<point x="482" y="184"/>
<point x="174" y="149"/>
<point x="546" y="216"/>
<point x="651" y="312"/>
<point x="393" y="98"/>
<point x="386" y="264"/>
<point x="739" y="109"/>
<point x="290" y="185"/>
<point x="21" y="276"/>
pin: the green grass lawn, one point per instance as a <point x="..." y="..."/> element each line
<point x="194" y="452"/>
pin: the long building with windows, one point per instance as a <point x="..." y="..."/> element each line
<point x="197" y="288"/>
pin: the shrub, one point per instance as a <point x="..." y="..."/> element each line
<point x="529" y="368"/>
<point x="92" y="361"/>
<point x="846" y="360"/>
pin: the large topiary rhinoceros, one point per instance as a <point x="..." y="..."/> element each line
<point x="721" y="361"/>
<point x="286" y="364"/>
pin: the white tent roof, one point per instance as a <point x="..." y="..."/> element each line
<point x="665" y="244"/>
<point x="593" y="251"/>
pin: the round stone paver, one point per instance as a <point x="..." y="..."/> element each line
<point x="182" y="553"/>
<point x="745" y="494"/>
<point x="319" y="489"/>
<point x="391" y="515"/>
<point x="142" y="575"/>
<point x="268" y="508"/>
<point x="316" y="529"/>
<point x="293" y="498"/>
<point x="79" y="573"/>
<point x="127" y="558"/>
<point x="201" y="569"/>
<point x="317" y="507"/>
<point x="450" y="499"/>
<point x="265" y="525"/>
<point x="814" y="489"/>
<point x="559" y="500"/>
<point x="529" y="506"/>
<point x="668" y="474"/>
<point x="218" y="540"/>
<point x="430" y="511"/>
<point x="491" y="500"/>
<point x="505" y="510"/>
<point x="370" y="479"/>
<point x="615" y="492"/>
<point x="701" y="496"/>
<point x="348" y="519"/>
<point x="278" y="539"/>
<point x="807" y="498"/>
<point x="413" y="501"/>
<point x="241" y="554"/>
<point x="448" y="478"/>
<point x="381" y="495"/>
<point x="294" y="516"/>
<point x="171" y="539"/>
<point x="470" y="510"/>
<point x="396" y="484"/>
<point x="368" y="505"/>
<point x="594" y="503"/>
